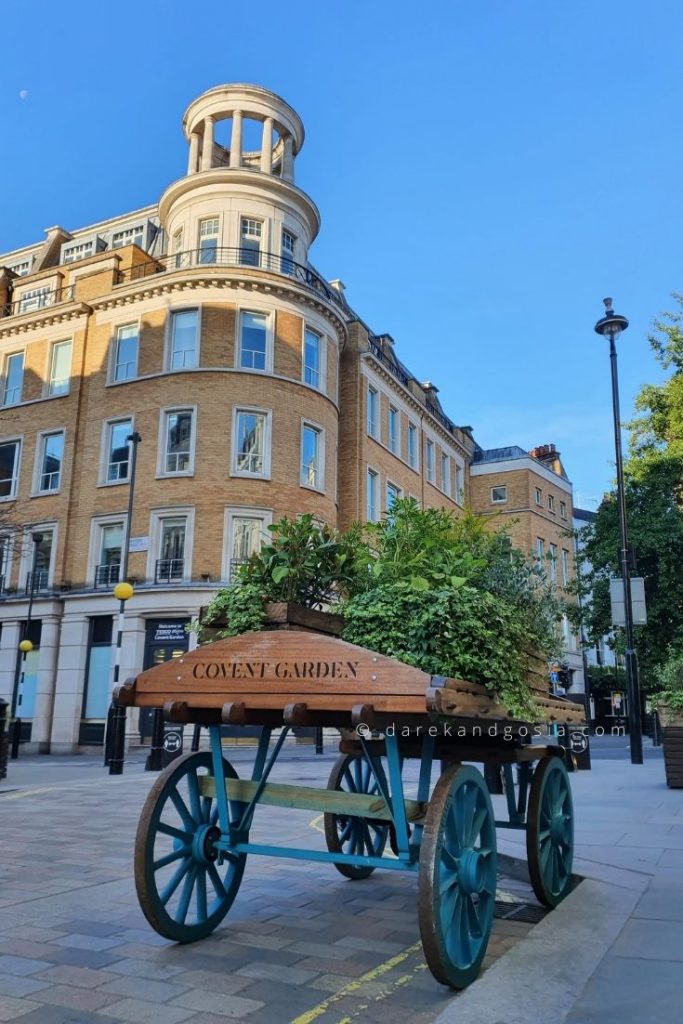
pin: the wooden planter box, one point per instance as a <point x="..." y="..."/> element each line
<point x="672" y="741"/>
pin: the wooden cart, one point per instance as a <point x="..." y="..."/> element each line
<point x="194" y="833"/>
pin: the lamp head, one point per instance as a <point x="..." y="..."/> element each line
<point x="25" y="646"/>
<point x="123" y="591"/>
<point x="611" y="324"/>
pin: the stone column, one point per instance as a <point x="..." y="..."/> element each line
<point x="45" y="690"/>
<point x="69" y="684"/>
<point x="288" y="158"/>
<point x="9" y="646"/>
<point x="207" y="143"/>
<point x="193" y="161"/>
<point x="267" y="146"/>
<point x="236" y="140"/>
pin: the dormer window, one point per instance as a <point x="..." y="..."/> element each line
<point x="128" y="236"/>
<point x="78" y="252"/>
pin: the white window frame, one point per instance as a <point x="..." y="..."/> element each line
<point x="563" y="510"/>
<point x="459" y="483"/>
<point x="375" y="474"/>
<point x="499" y="501"/>
<point x="157" y="516"/>
<point x="540" y="551"/>
<point x="36" y="298"/>
<point x="565" y="566"/>
<point x="414" y="456"/>
<point x="164" y="414"/>
<point x="551" y="504"/>
<point x="115" y="352"/>
<point x="372" y="425"/>
<point x="40" y="455"/>
<point x="261" y="238"/>
<point x="232" y="513"/>
<point x="319" y="488"/>
<point x="96" y="525"/>
<point x="322" y="358"/>
<point x="168" y="354"/>
<point x="394" y="444"/>
<point x="390" y="485"/>
<point x="79" y="251"/>
<point x="126" y="236"/>
<point x="10" y="536"/>
<point x="287" y="255"/>
<point x="267" y="435"/>
<point x="28" y="552"/>
<point x="5" y="377"/>
<point x="538" y="497"/>
<point x="552" y="558"/>
<point x="51" y="392"/>
<point x="446" y="484"/>
<point x="104" y="445"/>
<point x="430" y="458"/>
<point x="212" y="237"/>
<point x="270" y="337"/>
<point x="19" y="441"/>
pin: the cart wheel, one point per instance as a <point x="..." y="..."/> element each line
<point x="185" y="885"/>
<point x="550" y="831"/>
<point x="457" y="876"/>
<point x="353" y="774"/>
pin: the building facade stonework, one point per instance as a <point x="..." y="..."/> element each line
<point x="258" y="392"/>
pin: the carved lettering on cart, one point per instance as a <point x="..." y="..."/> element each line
<point x="275" y="670"/>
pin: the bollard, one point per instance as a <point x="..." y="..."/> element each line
<point x="15" y="729"/>
<point x="154" y="762"/>
<point x="118" y="741"/>
<point x="4" y="739"/>
<point x="196" y="733"/>
<point x="319" y="740"/>
<point x="656" y="729"/>
<point x="108" y="734"/>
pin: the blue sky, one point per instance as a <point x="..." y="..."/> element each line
<point x="486" y="170"/>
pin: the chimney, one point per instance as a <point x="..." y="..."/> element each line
<point x="546" y="453"/>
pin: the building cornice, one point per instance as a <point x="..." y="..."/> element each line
<point x="23" y="323"/>
<point x="520" y="465"/>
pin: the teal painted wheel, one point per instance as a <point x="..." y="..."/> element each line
<point x="457" y="876"/>
<point x="352" y="774"/>
<point x="550" y="831"/>
<point x="184" y="884"/>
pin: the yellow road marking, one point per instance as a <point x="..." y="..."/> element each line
<point x="356" y="984"/>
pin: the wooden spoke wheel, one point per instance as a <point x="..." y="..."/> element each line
<point x="184" y="884"/>
<point x="457" y="876"/>
<point x="353" y="774"/>
<point x="550" y="831"/>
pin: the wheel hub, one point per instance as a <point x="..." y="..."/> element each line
<point x="559" y="829"/>
<point x="472" y="871"/>
<point x="203" y="844"/>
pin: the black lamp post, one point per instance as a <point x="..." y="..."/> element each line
<point x="611" y="326"/>
<point x="25" y="646"/>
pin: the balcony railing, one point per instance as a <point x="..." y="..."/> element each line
<point x="36" y="299"/>
<point x="219" y="256"/>
<point x="168" y="570"/>
<point x="107" y="575"/>
<point x="388" y="363"/>
<point x="37" y="581"/>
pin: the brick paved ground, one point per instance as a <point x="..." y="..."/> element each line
<point x="300" y="939"/>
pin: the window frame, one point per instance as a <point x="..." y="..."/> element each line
<point x="563" y="509"/>
<point x="373" y="426"/>
<point x="257" y="261"/>
<point x="41" y="441"/>
<point x="373" y="473"/>
<point x="215" y="237"/>
<point x="269" y="316"/>
<point x="105" y="446"/>
<point x="499" y="501"/>
<point x="157" y="517"/>
<point x="564" y="559"/>
<point x="391" y="486"/>
<point x="307" y="424"/>
<point x="233" y="512"/>
<point x="28" y="552"/>
<point x="17" y="440"/>
<point x="290" y="258"/>
<point x="413" y="456"/>
<point x="446" y="484"/>
<point x="394" y="442"/>
<point x="168" y="357"/>
<point x="164" y="413"/>
<point x="113" y="379"/>
<point x="322" y="358"/>
<point x="540" y="550"/>
<point x="50" y="380"/>
<point x="551" y="504"/>
<point x="267" y="436"/>
<point x="552" y="559"/>
<point x="538" y="497"/>
<point x="459" y="484"/>
<point x="5" y="377"/>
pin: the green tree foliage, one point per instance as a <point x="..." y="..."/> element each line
<point x="654" y="496"/>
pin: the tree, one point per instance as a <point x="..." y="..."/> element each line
<point x="654" y="497"/>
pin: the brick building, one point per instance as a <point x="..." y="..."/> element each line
<point x="200" y="324"/>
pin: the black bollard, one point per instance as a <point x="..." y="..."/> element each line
<point x="155" y="758"/>
<point x="118" y="741"/>
<point x="196" y="733"/>
<point x="16" y="738"/>
<point x="319" y="740"/>
<point x="4" y="739"/>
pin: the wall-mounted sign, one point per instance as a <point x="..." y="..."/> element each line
<point x="170" y="632"/>
<point x="616" y="594"/>
<point x="138" y="544"/>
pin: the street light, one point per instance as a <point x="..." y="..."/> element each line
<point x="25" y="644"/>
<point x="611" y="326"/>
<point x="123" y="591"/>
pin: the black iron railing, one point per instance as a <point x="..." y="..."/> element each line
<point x="168" y="570"/>
<point x="390" y="365"/>
<point x="37" y="581"/>
<point x="220" y="256"/>
<point x="107" y="575"/>
<point x="36" y="299"/>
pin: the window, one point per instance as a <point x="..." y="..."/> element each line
<point x="540" y="549"/>
<point x="563" y="509"/>
<point x="178" y="441"/>
<point x="429" y="461"/>
<point x="253" y="347"/>
<point x="184" y="339"/>
<point x="170" y="565"/>
<point x="129" y="236"/>
<point x="14" y="379"/>
<point x="373" y="406"/>
<point x="551" y="503"/>
<point x="459" y="485"/>
<point x="565" y="567"/>
<point x="394" y="430"/>
<point x="251" y="455"/>
<point x="287" y="252"/>
<point x="412" y="445"/>
<point x="311" y="457"/>
<point x="552" y="558"/>
<point x="247" y="533"/>
<point x="51" y="460"/>
<point x="118" y="450"/>
<point x="99" y="669"/>
<point x="372" y="493"/>
<point x="250" y="244"/>
<point x="78" y="252"/>
<point x="208" y="240"/>
<point x="126" y="354"/>
<point x="312" y="358"/>
<point x="9" y="468"/>
<point x="177" y="247"/>
<point x="21" y="269"/>
<point x="39" y="556"/>
<point x="36" y="298"/>
<point x="445" y="474"/>
<point x="539" y="496"/>
<point x="393" y="494"/>
<point x="60" y="368"/>
<point x="5" y="559"/>
<point x="499" y="495"/>
<point x="109" y="550"/>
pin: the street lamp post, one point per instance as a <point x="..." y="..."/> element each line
<point x="25" y="645"/>
<point x="610" y="326"/>
<point x="123" y="591"/>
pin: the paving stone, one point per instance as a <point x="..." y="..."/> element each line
<point x="20" y="985"/>
<point x="21" y="965"/>
<point x="63" y="1015"/>
<point x="215" y="1002"/>
<point x="13" y="1009"/>
<point x="91" y="927"/>
<point x="650" y="940"/>
<point x="144" y="969"/>
<point x="228" y="983"/>
<point x="143" y="988"/>
<point x="84" y="958"/>
<point x="82" y="977"/>
<point x="135" y="1011"/>
<point x="277" y="972"/>
<point x="616" y="992"/>
<point x="75" y="998"/>
<point x="93" y="943"/>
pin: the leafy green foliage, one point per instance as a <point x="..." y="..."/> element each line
<point x="670" y="684"/>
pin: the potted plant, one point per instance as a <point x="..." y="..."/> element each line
<point x="669" y="701"/>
